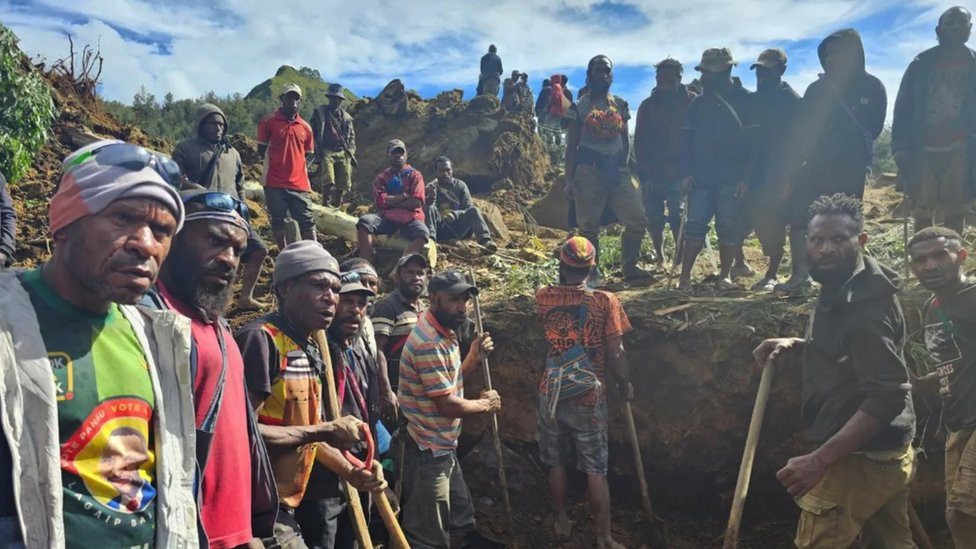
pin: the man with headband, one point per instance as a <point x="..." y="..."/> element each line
<point x="197" y="281"/>
<point x="87" y="364"/>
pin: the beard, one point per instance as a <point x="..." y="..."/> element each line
<point x="449" y="321"/>
<point x="190" y="286"/>
<point x="835" y="275"/>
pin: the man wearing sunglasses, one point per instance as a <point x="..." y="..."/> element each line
<point x="208" y="161"/>
<point x="286" y="144"/>
<point x="197" y="281"/>
<point x="88" y="365"/>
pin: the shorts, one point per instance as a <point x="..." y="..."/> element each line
<point x="655" y="195"/>
<point x="575" y="425"/>
<point x="287" y="533"/>
<point x="720" y="203"/>
<point x="941" y="182"/>
<point x="960" y="471"/>
<point x="254" y="245"/>
<point x="594" y="195"/>
<point x="374" y="224"/>
<point x="859" y="493"/>
<point x="284" y="202"/>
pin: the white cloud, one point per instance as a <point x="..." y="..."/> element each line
<point x="189" y="48"/>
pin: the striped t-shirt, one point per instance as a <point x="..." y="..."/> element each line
<point x="430" y="367"/>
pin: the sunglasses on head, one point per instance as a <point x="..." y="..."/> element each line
<point x="131" y="157"/>
<point x="221" y="202"/>
<point x="350" y="277"/>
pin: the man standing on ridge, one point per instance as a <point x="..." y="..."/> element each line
<point x="775" y="107"/>
<point x="931" y="135"/>
<point x="490" y="77"/>
<point x="658" y="145"/>
<point x="857" y="403"/>
<point x="97" y="432"/>
<point x="597" y="153"/>
<point x="207" y="160"/>
<point x="335" y="146"/>
<point x="839" y="118"/>
<point x="286" y="143"/>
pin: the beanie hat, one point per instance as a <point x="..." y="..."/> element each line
<point x="88" y="187"/>
<point x="303" y="257"/>
<point x="578" y="252"/>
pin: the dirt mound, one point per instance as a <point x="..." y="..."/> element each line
<point x="493" y="151"/>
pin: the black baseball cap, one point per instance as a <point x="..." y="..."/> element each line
<point x="419" y="258"/>
<point x="451" y="281"/>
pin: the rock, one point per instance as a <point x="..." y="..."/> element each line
<point x="494" y="219"/>
<point x="552" y="210"/>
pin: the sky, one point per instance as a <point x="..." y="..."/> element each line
<point x="190" y="47"/>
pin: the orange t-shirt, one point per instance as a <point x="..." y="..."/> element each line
<point x="288" y="142"/>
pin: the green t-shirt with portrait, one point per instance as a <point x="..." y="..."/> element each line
<point x="105" y="417"/>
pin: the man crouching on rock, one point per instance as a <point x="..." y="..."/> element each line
<point x="857" y="405"/>
<point x="583" y="328"/>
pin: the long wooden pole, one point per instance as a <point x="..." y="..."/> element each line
<point x="502" y="478"/>
<point x="638" y="462"/>
<point x="352" y="495"/>
<point x="731" y="539"/>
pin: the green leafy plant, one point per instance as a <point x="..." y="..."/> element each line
<point x="26" y="108"/>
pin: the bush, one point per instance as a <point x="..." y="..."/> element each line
<point x="26" y="108"/>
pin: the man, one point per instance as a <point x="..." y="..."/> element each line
<point x="658" y="144"/>
<point x="196" y="281"/>
<point x="335" y="146"/>
<point x="452" y="214"/>
<point x="325" y="520"/>
<point x="526" y="98"/>
<point x="511" y="98"/>
<point x="207" y="160"/>
<point x="775" y="105"/>
<point x="398" y="193"/>
<point x="394" y="317"/>
<point x="569" y="310"/>
<point x="597" y="151"/>
<point x="491" y="72"/>
<point x="8" y="225"/>
<point x="839" y="118"/>
<point x="717" y="160"/>
<point x="937" y="257"/>
<point x="857" y="405"/>
<point x="931" y="131"/>
<point x="81" y="363"/>
<point x="283" y="369"/>
<point x="437" y="507"/>
<point x="286" y="143"/>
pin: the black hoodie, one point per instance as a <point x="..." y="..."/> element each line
<point x="841" y="115"/>
<point x="853" y="360"/>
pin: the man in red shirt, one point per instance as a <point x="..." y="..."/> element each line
<point x="196" y="281"/>
<point x="286" y="143"/>
<point x="398" y="192"/>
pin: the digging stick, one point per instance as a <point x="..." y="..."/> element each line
<point x="679" y="244"/>
<point x="502" y="478"/>
<point x="748" y="455"/>
<point x="638" y="461"/>
<point x="352" y="495"/>
<point x="905" y="242"/>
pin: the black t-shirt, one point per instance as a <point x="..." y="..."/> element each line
<point x="950" y="338"/>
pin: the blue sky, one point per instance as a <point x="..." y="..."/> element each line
<point x="189" y="47"/>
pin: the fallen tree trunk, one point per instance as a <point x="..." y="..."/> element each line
<point x="338" y="223"/>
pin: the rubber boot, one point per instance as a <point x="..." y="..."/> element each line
<point x="327" y="194"/>
<point x="336" y="199"/>
<point x="309" y="234"/>
<point x="279" y="238"/>
<point x="629" y="252"/>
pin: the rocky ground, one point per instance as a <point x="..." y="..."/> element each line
<point x="690" y="353"/>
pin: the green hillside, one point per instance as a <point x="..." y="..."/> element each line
<point x="313" y="87"/>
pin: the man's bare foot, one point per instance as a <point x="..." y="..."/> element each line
<point x="563" y="528"/>
<point x="246" y="303"/>
<point x="684" y="284"/>
<point x="608" y="543"/>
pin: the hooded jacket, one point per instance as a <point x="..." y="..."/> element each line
<point x="719" y="135"/>
<point x="658" y="133"/>
<point x="853" y="360"/>
<point x="775" y="113"/>
<point x="908" y="125"/>
<point x="195" y="154"/>
<point x="841" y="116"/>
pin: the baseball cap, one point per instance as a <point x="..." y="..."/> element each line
<point x="291" y="87"/>
<point x="451" y="281"/>
<point x="578" y="252"/>
<point x="716" y="60"/>
<point x="772" y="57"/>
<point x="352" y="282"/>
<point x="411" y="257"/>
<point x="395" y="144"/>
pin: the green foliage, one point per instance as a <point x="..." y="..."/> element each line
<point x="26" y="109"/>
<point x="883" y="159"/>
<point x="523" y="279"/>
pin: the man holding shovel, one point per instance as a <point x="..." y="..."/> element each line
<point x="573" y="396"/>
<point x="857" y="405"/>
